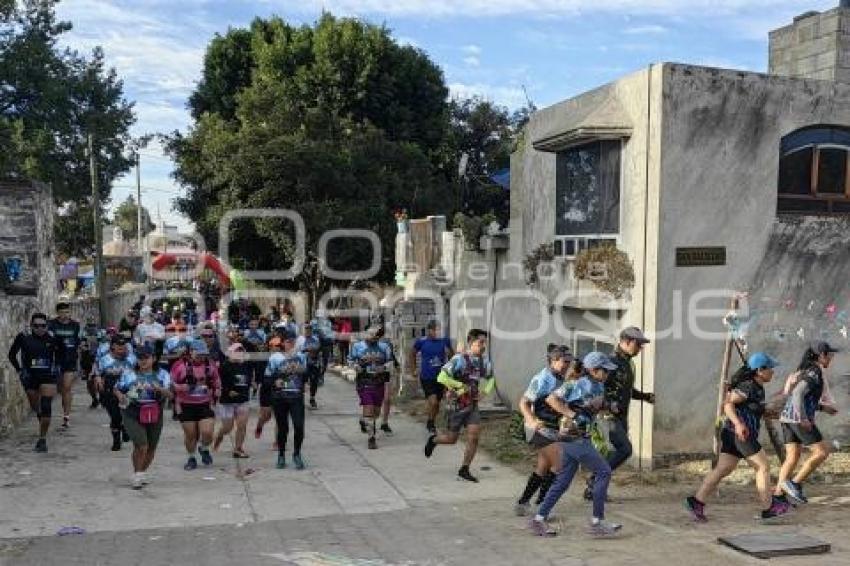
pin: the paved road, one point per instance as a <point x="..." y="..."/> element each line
<point x="351" y="506"/>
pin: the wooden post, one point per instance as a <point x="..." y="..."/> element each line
<point x="722" y="387"/>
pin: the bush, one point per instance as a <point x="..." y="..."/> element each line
<point x="608" y="268"/>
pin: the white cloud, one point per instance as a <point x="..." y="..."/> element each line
<point x="646" y="30"/>
<point x="511" y="96"/>
<point x="537" y="8"/>
<point x="472" y="61"/>
<point x="472" y="50"/>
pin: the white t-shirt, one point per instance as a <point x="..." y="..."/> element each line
<point x="149" y="333"/>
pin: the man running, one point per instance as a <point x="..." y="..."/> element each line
<point x="88" y="355"/>
<point x="68" y="332"/>
<point x="284" y="378"/>
<point x="806" y="398"/>
<point x="466" y="376"/>
<point x="580" y="404"/>
<point x="109" y="370"/>
<point x="542" y="424"/>
<point x="371" y="359"/>
<point x="390" y="387"/>
<point x="433" y="351"/>
<point x="40" y="353"/>
<point x="311" y="346"/>
<point x="149" y="331"/>
<point x="619" y="392"/>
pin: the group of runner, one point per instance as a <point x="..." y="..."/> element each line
<point x="135" y="374"/>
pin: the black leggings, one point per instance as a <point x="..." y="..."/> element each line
<point x="314" y="374"/>
<point x="110" y="402"/>
<point x="284" y="409"/>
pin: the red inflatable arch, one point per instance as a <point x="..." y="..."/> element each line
<point x="209" y="261"/>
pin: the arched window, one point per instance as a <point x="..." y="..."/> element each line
<point x="814" y="176"/>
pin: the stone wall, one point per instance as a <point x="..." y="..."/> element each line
<point x="815" y="46"/>
<point x="26" y="230"/>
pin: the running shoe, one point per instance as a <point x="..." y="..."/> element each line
<point x="240" y="454"/>
<point x="146" y="480"/>
<point x="206" y="457"/>
<point x="777" y="509"/>
<point x="784" y="499"/>
<point x="430" y="445"/>
<point x="696" y="509"/>
<point x="373" y="444"/>
<point x="463" y="473"/>
<point x="191" y="464"/>
<point x="40" y="445"/>
<point x="313" y="404"/>
<point x="541" y="528"/>
<point x="299" y="463"/>
<point x="794" y="491"/>
<point x="603" y="529"/>
<point x="136" y="482"/>
<point x="385" y="428"/>
<point x="281" y="461"/>
<point x="66" y="422"/>
<point x="522" y="509"/>
<point x="363" y="428"/>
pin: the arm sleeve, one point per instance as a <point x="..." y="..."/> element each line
<point x="447" y="380"/>
<point x="14" y="350"/>
<point x="489" y="385"/>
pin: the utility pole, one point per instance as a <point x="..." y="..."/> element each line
<point x="98" y="236"/>
<point x="138" y="202"/>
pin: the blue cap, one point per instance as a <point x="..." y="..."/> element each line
<point x="596" y="360"/>
<point x="760" y="360"/>
<point x="144" y="351"/>
<point x="199" y="347"/>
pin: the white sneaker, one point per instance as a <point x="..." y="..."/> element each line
<point x="603" y="529"/>
<point x="137" y="481"/>
<point x="146" y="479"/>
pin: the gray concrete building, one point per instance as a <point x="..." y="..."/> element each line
<point x="711" y="181"/>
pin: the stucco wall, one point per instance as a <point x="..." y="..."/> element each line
<point x="15" y="310"/>
<point x="719" y="167"/>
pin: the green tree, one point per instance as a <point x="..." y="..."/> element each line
<point x="126" y="218"/>
<point x="337" y="122"/>
<point x="51" y="99"/>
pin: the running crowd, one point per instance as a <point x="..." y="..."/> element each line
<point x="137" y="372"/>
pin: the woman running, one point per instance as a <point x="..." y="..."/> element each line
<point x="798" y="422"/>
<point x="235" y="395"/>
<point x="371" y="359"/>
<point x="743" y="408"/>
<point x="141" y="393"/>
<point x="285" y="378"/>
<point x="579" y="406"/>
<point x="198" y="388"/>
<point x="541" y="424"/>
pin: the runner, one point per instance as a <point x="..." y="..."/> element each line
<point x="68" y="332"/>
<point x="390" y="387"/>
<point x="542" y="424"/>
<point x="129" y="322"/>
<point x="371" y="359"/>
<point x="207" y="334"/>
<point x="619" y="392"/>
<point x="197" y="386"/>
<point x="235" y="395"/>
<point x="311" y="346"/>
<point x="285" y="379"/>
<point x="150" y="332"/>
<point x="579" y="405"/>
<point x="808" y="395"/>
<point x="323" y="330"/>
<point x="108" y="370"/>
<point x="141" y="392"/>
<point x="433" y="351"/>
<point x="265" y="415"/>
<point x="255" y="341"/>
<point x="466" y="376"/>
<point x="88" y="355"/>
<point x="744" y="408"/>
<point x="40" y="353"/>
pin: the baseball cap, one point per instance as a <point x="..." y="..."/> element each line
<point x="558" y="352"/>
<point x="144" y="351"/>
<point x="199" y="347"/>
<point x="596" y="360"/>
<point x="824" y="348"/>
<point x="760" y="360"/>
<point x="634" y="333"/>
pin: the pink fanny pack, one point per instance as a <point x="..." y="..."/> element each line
<point x="149" y="413"/>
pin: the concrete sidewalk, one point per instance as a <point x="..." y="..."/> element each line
<point x="80" y="482"/>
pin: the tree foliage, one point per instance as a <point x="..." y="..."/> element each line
<point x="50" y="100"/>
<point x="126" y="217"/>
<point x="336" y="122"/>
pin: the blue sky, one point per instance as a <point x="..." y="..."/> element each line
<point x="553" y="49"/>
